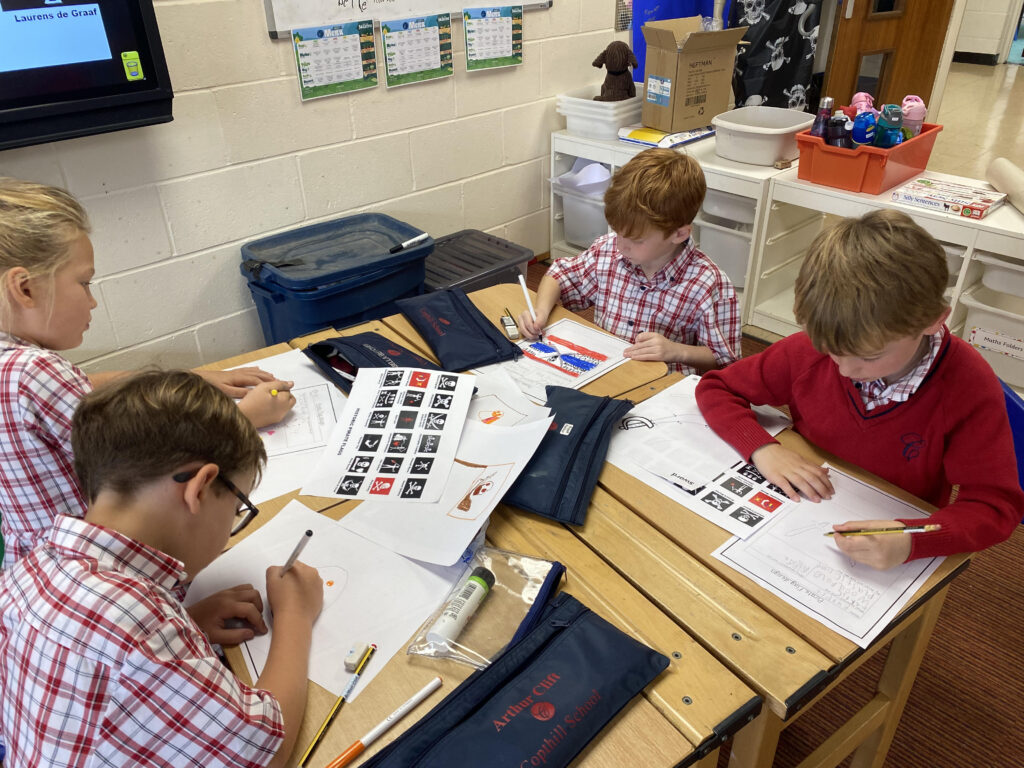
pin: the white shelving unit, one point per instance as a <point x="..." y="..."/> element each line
<point x="796" y="210"/>
<point x="730" y="185"/>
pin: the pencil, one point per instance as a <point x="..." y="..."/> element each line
<point x="357" y="747"/>
<point x="337" y="705"/>
<point x="876" y="531"/>
<point x="529" y="304"/>
<point x="297" y="551"/>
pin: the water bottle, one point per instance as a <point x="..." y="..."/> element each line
<point x="887" y="130"/>
<point x="837" y="134"/>
<point x="820" y="127"/>
<point x="863" y="129"/>
<point x="864" y="102"/>
<point x="914" y="112"/>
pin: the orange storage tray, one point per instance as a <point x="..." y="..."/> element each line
<point x="864" y="169"/>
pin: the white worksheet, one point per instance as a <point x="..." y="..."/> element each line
<point x="666" y="443"/>
<point x="489" y="460"/>
<point x="371" y="595"/>
<point x="296" y="442"/>
<point x="396" y="438"/>
<point x="571" y="355"/>
<point x="498" y="400"/>
<point x="792" y="557"/>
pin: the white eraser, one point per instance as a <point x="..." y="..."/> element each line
<point x="354" y="656"/>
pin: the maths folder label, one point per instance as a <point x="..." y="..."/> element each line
<point x="994" y="341"/>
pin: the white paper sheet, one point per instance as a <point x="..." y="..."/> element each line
<point x="295" y="443"/>
<point x="490" y="458"/>
<point x="571" y="355"/>
<point x="396" y="438"/>
<point x="498" y="400"/>
<point x="371" y="595"/>
<point x="665" y="442"/>
<point x="792" y="557"/>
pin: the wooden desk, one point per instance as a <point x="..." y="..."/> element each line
<point x="492" y="302"/>
<point x="680" y="719"/>
<point x="787" y="657"/>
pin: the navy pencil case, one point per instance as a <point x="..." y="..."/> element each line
<point x="457" y="332"/>
<point x="560" y="478"/>
<point x="540" y="702"/>
<point x="340" y="358"/>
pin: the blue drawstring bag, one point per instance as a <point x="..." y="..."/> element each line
<point x="339" y="359"/>
<point x="541" y="700"/>
<point x="457" y="332"/>
<point x="560" y="478"/>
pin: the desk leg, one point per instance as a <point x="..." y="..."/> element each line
<point x="896" y="680"/>
<point x="754" y="744"/>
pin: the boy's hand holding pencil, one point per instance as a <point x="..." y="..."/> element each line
<point x="882" y="544"/>
<point x="268" y="402"/>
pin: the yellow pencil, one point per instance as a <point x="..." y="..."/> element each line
<point x="338" y="704"/>
<point x="876" y="531"/>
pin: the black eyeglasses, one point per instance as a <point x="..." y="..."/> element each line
<point x="246" y="512"/>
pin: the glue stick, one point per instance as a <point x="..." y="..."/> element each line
<point x="461" y="607"/>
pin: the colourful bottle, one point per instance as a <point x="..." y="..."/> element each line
<point x="887" y="130"/>
<point x="914" y="113"/>
<point x="837" y="134"/>
<point x="820" y="127"/>
<point x="864" y="102"/>
<point x="863" y="129"/>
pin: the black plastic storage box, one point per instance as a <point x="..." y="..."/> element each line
<point x="472" y="260"/>
<point x="332" y="274"/>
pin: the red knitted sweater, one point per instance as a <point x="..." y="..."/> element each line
<point x="952" y="431"/>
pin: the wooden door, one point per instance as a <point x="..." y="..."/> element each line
<point x="888" y="48"/>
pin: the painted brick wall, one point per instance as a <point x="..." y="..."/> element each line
<point x="172" y="204"/>
<point x="982" y="28"/>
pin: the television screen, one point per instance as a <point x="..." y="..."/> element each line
<point x="76" y="67"/>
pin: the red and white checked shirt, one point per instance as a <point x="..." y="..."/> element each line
<point x="878" y="393"/>
<point x="101" y="665"/>
<point x="39" y="390"/>
<point x="689" y="300"/>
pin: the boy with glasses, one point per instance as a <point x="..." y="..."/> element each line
<point x="99" y="662"/>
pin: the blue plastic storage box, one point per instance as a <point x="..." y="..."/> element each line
<point x="332" y="274"/>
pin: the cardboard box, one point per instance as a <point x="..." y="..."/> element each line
<point x="688" y="76"/>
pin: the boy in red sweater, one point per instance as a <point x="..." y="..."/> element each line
<point x="877" y="379"/>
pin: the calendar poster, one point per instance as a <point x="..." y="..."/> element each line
<point x="417" y="49"/>
<point x="335" y="59"/>
<point x="494" y="36"/>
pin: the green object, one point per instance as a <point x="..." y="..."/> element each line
<point x="132" y="65"/>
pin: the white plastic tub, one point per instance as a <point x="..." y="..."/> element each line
<point x="759" y="135"/>
<point x="597" y="119"/>
<point x="726" y="245"/>
<point x="995" y="326"/>
<point x="1001" y="275"/>
<point x="954" y="260"/>
<point x="726" y="205"/>
<point x="582" y="191"/>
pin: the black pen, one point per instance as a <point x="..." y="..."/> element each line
<point x="409" y="243"/>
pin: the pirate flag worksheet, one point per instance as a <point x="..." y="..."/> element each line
<point x="396" y="438"/>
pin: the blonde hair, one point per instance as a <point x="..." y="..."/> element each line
<point x="38" y="225"/>
<point x="866" y="282"/>
<point x="658" y="188"/>
<point x="144" y="426"/>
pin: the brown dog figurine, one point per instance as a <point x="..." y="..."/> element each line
<point x="618" y="80"/>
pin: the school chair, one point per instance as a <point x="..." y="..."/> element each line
<point x="1015" y="410"/>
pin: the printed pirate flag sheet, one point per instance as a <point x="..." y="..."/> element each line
<point x="569" y="355"/>
<point x="397" y="437"/>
